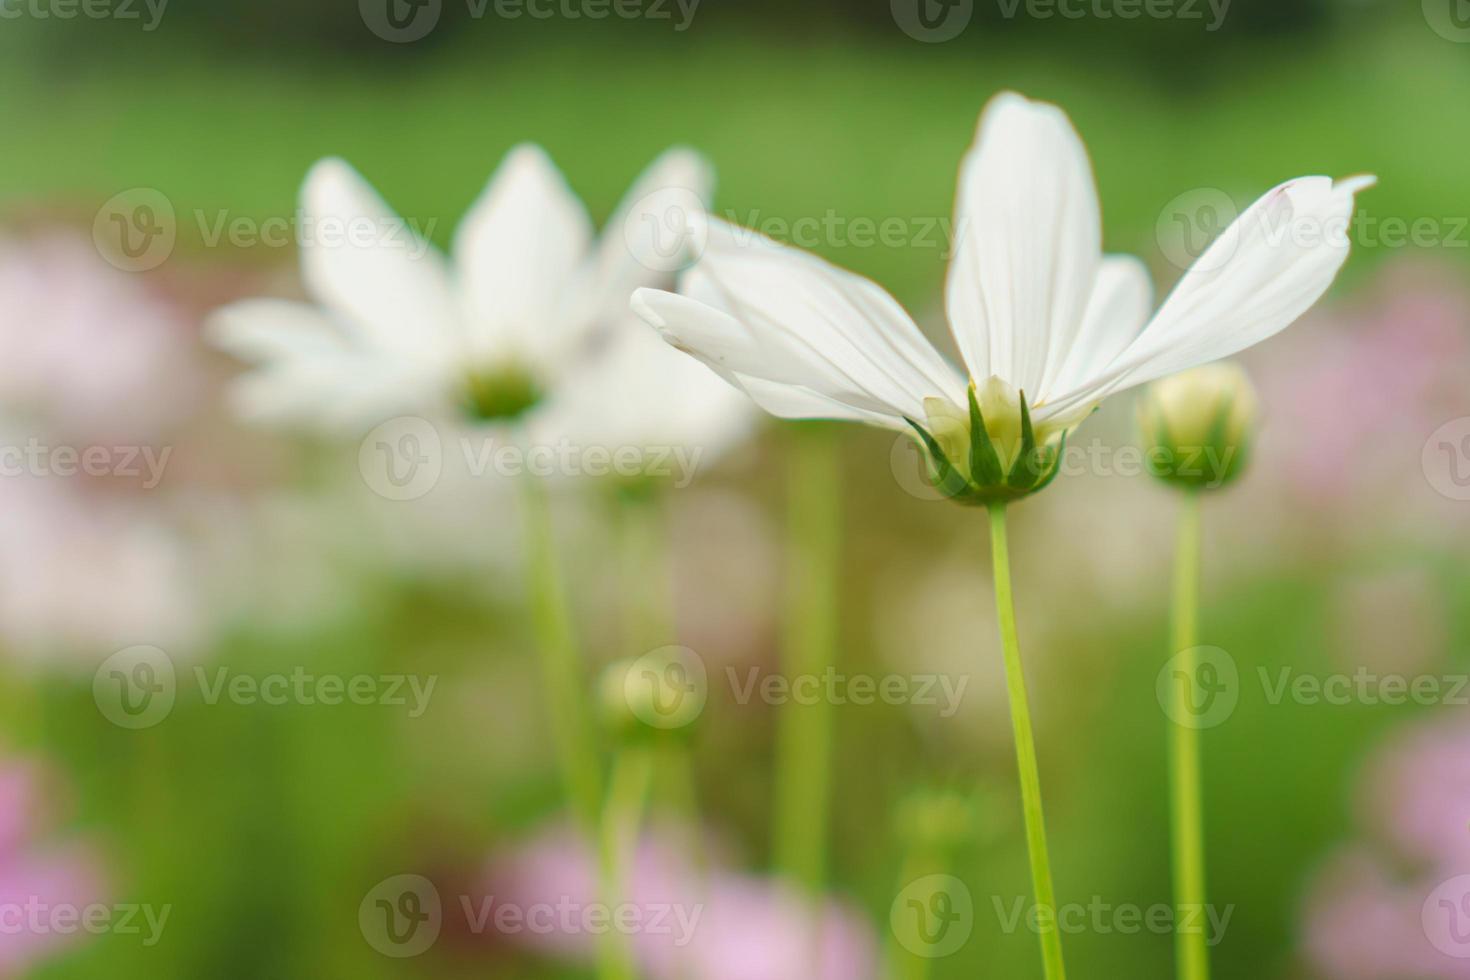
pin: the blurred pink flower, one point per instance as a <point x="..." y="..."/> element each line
<point x="87" y="352"/>
<point x="1360" y="924"/>
<point x="1417" y="790"/>
<point x="1400" y="911"/>
<point x="1351" y="395"/>
<point x="37" y="881"/>
<point x="724" y="925"/>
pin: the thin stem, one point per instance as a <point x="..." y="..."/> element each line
<point x="561" y="661"/>
<point x="804" y="734"/>
<point x="622" y="819"/>
<point x="1187" y="810"/>
<point x="648" y="616"/>
<point x="1041" y="880"/>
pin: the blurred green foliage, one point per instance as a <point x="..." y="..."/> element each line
<point x="265" y="828"/>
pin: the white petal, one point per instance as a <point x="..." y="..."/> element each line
<point x="646" y="241"/>
<point x="758" y="310"/>
<point x="1256" y="279"/>
<point x="1029" y="242"/>
<point x="1122" y="298"/>
<point x="635" y="393"/>
<point x="346" y="393"/>
<point x="368" y="268"/>
<point x="778" y="383"/>
<point x="517" y="253"/>
<point x="266" y="330"/>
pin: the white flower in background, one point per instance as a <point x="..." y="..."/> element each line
<point x="1046" y="324"/>
<point x="526" y="321"/>
<point x="84" y="571"/>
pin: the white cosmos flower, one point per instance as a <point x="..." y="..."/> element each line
<point x="527" y="319"/>
<point x="1036" y="308"/>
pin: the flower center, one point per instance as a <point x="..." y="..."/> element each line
<point x="500" y="393"/>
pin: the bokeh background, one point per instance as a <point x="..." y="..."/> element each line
<point x="262" y="828"/>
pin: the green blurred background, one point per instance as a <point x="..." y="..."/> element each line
<point x="263" y="828"/>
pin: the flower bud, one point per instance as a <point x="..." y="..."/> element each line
<point x="1197" y="426"/>
<point x="659" y="695"/>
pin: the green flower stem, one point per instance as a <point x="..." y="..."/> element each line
<point x="1051" y="939"/>
<point x="648" y="615"/>
<point x="1187" y="809"/>
<point x="622" y="819"/>
<point x="901" y="963"/>
<point x="650" y="622"/>
<point x="804" y="734"/>
<point x="561" y="661"/>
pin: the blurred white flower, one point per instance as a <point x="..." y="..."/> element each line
<point x="86" y="573"/>
<point x="527" y="321"/>
<point x="1040" y="315"/>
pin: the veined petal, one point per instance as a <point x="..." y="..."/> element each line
<point x="368" y="268"/>
<point x="1029" y="243"/>
<point x="517" y="253"/>
<point x="818" y="326"/>
<point x="1256" y="279"/>
<point x="723" y="344"/>
<point x="1122" y="298"/>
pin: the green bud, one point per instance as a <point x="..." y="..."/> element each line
<point x="993" y="452"/>
<point x="658" y="695"/>
<point x="1197" y="426"/>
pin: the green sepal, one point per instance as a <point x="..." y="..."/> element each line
<point x="946" y="479"/>
<point x="1026" y="469"/>
<point x="985" y="465"/>
<point x="1053" y="465"/>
